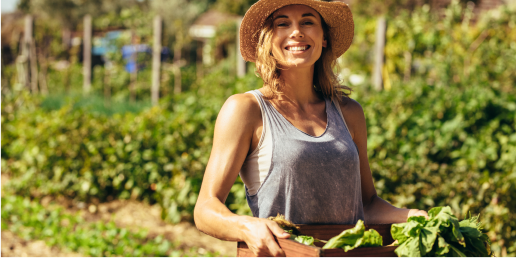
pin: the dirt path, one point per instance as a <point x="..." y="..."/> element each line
<point x="137" y="215"/>
<point x="13" y="246"/>
<point x="128" y="214"/>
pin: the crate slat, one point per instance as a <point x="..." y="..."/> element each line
<point x="384" y="251"/>
<point x="290" y="247"/>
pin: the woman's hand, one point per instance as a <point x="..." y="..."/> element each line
<point x="416" y="212"/>
<point x="259" y="236"/>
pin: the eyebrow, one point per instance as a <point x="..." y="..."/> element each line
<point x="304" y="15"/>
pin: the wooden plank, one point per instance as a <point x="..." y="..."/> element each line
<point x="290" y="247"/>
<point x="384" y="251"/>
<point x="295" y="249"/>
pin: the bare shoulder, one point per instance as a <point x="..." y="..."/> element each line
<point x="242" y="108"/>
<point x="351" y="107"/>
<point x="353" y="114"/>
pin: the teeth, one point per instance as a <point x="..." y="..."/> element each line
<point x="301" y="48"/>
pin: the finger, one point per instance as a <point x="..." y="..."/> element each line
<point x="274" y="249"/>
<point x="277" y="230"/>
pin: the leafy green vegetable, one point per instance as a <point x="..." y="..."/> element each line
<point x="371" y="238"/>
<point x="441" y="235"/>
<point x="352" y="238"/>
<point x="307" y="240"/>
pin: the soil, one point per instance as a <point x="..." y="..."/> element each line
<point x="13" y="246"/>
<point x="128" y="214"/>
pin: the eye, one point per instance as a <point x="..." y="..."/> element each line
<point x="282" y="24"/>
<point x="308" y="23"/>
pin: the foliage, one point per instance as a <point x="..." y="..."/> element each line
<point x="441" y="235"/>
<point x="371" y="8"/>
<point x="355" y="237"/>
<point x="307" y="240"/>
<point x="444" y="134"/>
<point x="30" y="220"/>
<point x="234" y="6"/>
<point x="158" y="155"/>
<point x="446" y="146"/>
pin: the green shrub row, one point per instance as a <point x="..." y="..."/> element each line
<point x="32" y="221"/>
<point x="435" y="146"/>
<point x="158" y="155"/>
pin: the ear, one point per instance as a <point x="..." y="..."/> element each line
<point x="324" y="43"/>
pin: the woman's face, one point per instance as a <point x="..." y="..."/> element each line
<point x="298" y="36"/>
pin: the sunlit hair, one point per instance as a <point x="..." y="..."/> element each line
<point x="325" y="80"/>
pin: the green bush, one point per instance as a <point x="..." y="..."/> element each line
<point x="158" y="155"/>
<point x="435" y="146"/>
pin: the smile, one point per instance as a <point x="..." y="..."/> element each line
<point x="297" y="48"/>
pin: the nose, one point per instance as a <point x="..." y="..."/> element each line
<point x="296" y="33"/>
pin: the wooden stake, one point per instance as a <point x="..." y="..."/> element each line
<point x="2" y="76"/>
<point x="199" y="64"/>
<point x="43" y="66"/>
<point x="241" y="66"/>
<point x="107" y="89"/>
<point x="156" y="61"/>
<point x="27" y="39"/>
<point x="33" y="67"/>
<point x="86" y="61"/>
<point x="379" y="53"/>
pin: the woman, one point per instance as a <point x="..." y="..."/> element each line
<point x="299" y="143"/>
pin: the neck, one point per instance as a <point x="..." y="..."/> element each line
<point x="298" y="85"/>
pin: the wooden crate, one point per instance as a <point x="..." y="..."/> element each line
<point x="325" y="232"/>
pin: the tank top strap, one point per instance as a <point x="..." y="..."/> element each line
<point x="276" y="121"/>
<point x="258" y="95"/>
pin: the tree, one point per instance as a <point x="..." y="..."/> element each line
<point x="234" y="6"/>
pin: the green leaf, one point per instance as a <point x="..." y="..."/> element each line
<point x="371" y="238"/>
<point x="397" y="232"/>
<point x="347" y="237"/>
<point x="307" y="240"/>
<point x="419" y="219"/>
<point x="412" y="229"/>
<point x="442" y="247"/>
<point x="352" y="238"/>
<point x="409" y="248"/>
<point x="427" y="238"/>
<point x="455" y="251"/>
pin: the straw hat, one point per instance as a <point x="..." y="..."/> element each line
<point x="337" y="16"/>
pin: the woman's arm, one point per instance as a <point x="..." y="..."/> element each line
<point x="376" y="210"/>
<point x="234" y="129"/>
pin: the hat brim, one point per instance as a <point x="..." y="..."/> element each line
<point x="337" y="16"/>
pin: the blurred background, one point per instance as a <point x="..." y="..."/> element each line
<point x="108" y="110"/>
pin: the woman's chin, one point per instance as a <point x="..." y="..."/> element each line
<point x="296" y="64"/>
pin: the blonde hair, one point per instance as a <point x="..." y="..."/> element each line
<point x="325" y="80"/>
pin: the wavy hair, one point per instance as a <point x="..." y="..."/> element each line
<point x="325" y="81"/>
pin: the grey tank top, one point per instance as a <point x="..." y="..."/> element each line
<point x="311" y="180"/>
